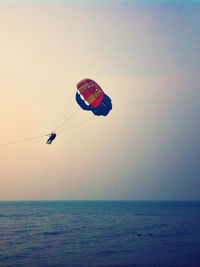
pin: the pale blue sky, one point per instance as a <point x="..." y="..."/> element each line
<point x="145" y="55"/>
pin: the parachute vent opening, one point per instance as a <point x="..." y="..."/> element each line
<point x="84" y="100"/>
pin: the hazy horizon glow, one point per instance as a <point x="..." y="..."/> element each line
<point x="145" y="55"/>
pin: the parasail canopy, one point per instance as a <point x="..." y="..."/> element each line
<point x="95" y="99"/>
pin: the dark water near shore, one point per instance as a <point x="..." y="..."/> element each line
<point x="100" y="233"/>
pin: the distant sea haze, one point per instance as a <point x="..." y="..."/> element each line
<point x="100" y="233"/>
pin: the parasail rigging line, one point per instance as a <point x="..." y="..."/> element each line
<point x="66" y="120"/>
<point x="75" y="125"/>
<point x="63" y="114"/>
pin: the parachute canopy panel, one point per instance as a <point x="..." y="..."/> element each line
<point x="91" y="92"/>
<point x="99" y="103"/>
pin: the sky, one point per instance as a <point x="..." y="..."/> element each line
<point x="145" y="55"/>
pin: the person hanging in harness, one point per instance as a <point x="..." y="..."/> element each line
<point x="52" y="136"/>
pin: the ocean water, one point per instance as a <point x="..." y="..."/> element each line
<point x="100" y="233"/>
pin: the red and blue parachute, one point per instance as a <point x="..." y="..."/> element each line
<point x="97" y="101"/>
<point x="89" y="96"/>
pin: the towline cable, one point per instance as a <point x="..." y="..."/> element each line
<point x="24" y="140"/>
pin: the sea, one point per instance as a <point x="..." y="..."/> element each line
<point x="99" y="233"/>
